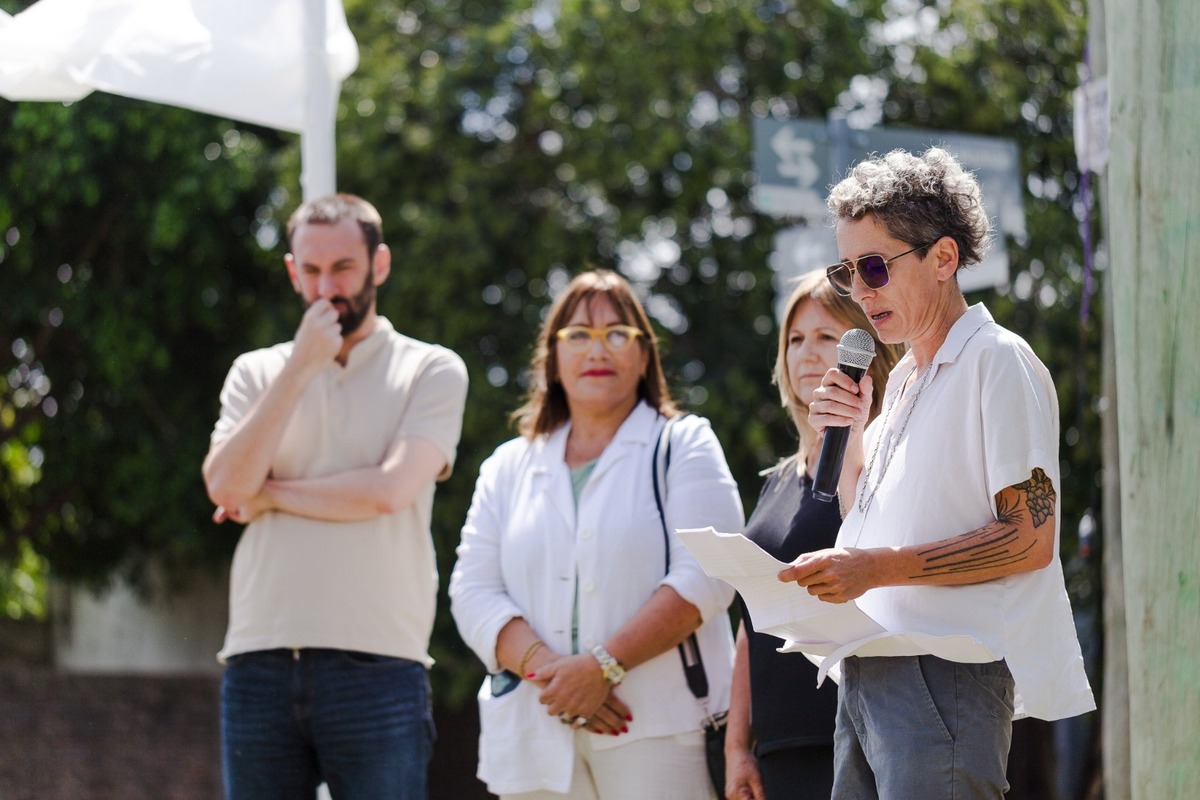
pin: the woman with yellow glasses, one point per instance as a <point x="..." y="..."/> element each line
<point x="572" y="590"/>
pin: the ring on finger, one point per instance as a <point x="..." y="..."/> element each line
<point x="566" y="718"/>
<point x="579" y="722"/>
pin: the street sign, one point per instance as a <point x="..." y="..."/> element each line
<point x="798" y="160"/>
<point x="799" y="249"/>
<point x="791" y="159"/>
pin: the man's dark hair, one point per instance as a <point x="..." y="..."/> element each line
<point x="334" y="208"/>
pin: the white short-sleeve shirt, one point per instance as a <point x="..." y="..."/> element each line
<point x="368" y="585"/>
<point x="980" y="421"/>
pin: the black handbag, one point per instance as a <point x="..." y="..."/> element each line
<point x="689" y="649"/>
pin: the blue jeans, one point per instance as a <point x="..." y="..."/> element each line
<point x="291" y="719"/>
<point x="922" y="727"/>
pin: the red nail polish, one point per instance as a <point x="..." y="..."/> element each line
<point x="623" y="730"/>
<point x="530" y="675"/>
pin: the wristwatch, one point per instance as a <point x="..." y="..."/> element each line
<point x="610" y="668"/>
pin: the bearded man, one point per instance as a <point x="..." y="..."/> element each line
<point x="328" y="448"/>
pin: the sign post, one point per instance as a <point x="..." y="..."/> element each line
<point x="798" y="160"/>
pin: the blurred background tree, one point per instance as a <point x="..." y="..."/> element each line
<point x="508" y="144"/>
<point x="131" y="275"/>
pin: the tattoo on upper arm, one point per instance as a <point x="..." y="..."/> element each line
<point x="1007" y="512"/>
<point x="1039" y="496"/>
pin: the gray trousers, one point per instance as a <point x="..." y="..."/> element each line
<point x="922" y="728"/>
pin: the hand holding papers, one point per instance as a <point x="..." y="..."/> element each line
<point x="780" y="609"/>
<point x="814" y="627"/>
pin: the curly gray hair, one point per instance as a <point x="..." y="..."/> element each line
<point x="917" y="199"/>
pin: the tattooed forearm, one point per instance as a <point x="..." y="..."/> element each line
<point x="1039" y="496"/>
<point x="997" y="545"/>
<point x="1009" y="544"/>
<point x="988" y="540"/>
<point x="975" y="564"/>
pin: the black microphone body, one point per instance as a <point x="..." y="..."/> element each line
<point x="855" y="352"/>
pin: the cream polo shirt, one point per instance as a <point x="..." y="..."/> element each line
<point x="987" y="416"/>
<point x="368" y="585"/>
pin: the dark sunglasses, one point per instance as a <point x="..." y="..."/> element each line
<point x="873" y="270"/>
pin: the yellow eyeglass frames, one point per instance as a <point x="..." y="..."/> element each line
<point x="615" y="338"/>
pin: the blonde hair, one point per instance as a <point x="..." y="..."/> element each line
<point x="815" y="287"/>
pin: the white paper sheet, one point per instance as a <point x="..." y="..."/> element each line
<point x="825" y="632"/>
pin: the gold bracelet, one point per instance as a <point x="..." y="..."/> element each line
<point x="533" y="648"/>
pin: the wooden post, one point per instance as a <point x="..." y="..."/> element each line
<point x="1114" y="702"/>
<point x="1154" y="219"/>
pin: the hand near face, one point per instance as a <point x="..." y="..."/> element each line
<point x="319" y="337"/>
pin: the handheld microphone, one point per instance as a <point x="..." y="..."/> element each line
<point x="855" y="352"/>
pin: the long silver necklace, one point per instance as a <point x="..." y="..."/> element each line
<point x="865" y="498"/>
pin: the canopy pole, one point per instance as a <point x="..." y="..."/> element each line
<point x="318" y="170"/>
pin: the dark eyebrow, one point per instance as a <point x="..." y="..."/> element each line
<point x="338" y="263"/>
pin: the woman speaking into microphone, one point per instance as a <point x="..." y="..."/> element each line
<point x="779" y="741"/>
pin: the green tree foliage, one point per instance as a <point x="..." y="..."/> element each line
<point x="508" y="146"/>
<point x="512" y="147"/>
<point x="1009" y="69"/>
<point x="131" y="277"/>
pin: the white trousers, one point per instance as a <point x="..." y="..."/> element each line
<point x="655" y="768"/>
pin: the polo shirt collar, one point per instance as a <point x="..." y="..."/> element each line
<point x="362" y="352"/>
<point x="961" y="332"/>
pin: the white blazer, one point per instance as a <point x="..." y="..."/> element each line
<point x="524" y="549"/>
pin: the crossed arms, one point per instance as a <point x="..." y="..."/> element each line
<point x="237" y="469"/>
<point x="363" y="493"/>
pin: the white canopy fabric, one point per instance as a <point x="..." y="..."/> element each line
<point x="242" y="59"/>
<point x="270" y="62"/>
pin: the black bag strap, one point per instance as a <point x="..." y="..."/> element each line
<point x="689" y="649"/>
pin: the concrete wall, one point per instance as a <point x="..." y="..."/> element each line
<point x="118" y="631"/>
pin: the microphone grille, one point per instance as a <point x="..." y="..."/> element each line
<point x="856" y="349"/>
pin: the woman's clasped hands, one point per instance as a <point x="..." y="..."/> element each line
<point x="574" y="690"/>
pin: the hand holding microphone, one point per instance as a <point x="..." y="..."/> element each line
<point x="855" y="352"/>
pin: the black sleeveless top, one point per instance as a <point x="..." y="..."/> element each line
<point x="786" y="707"/>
